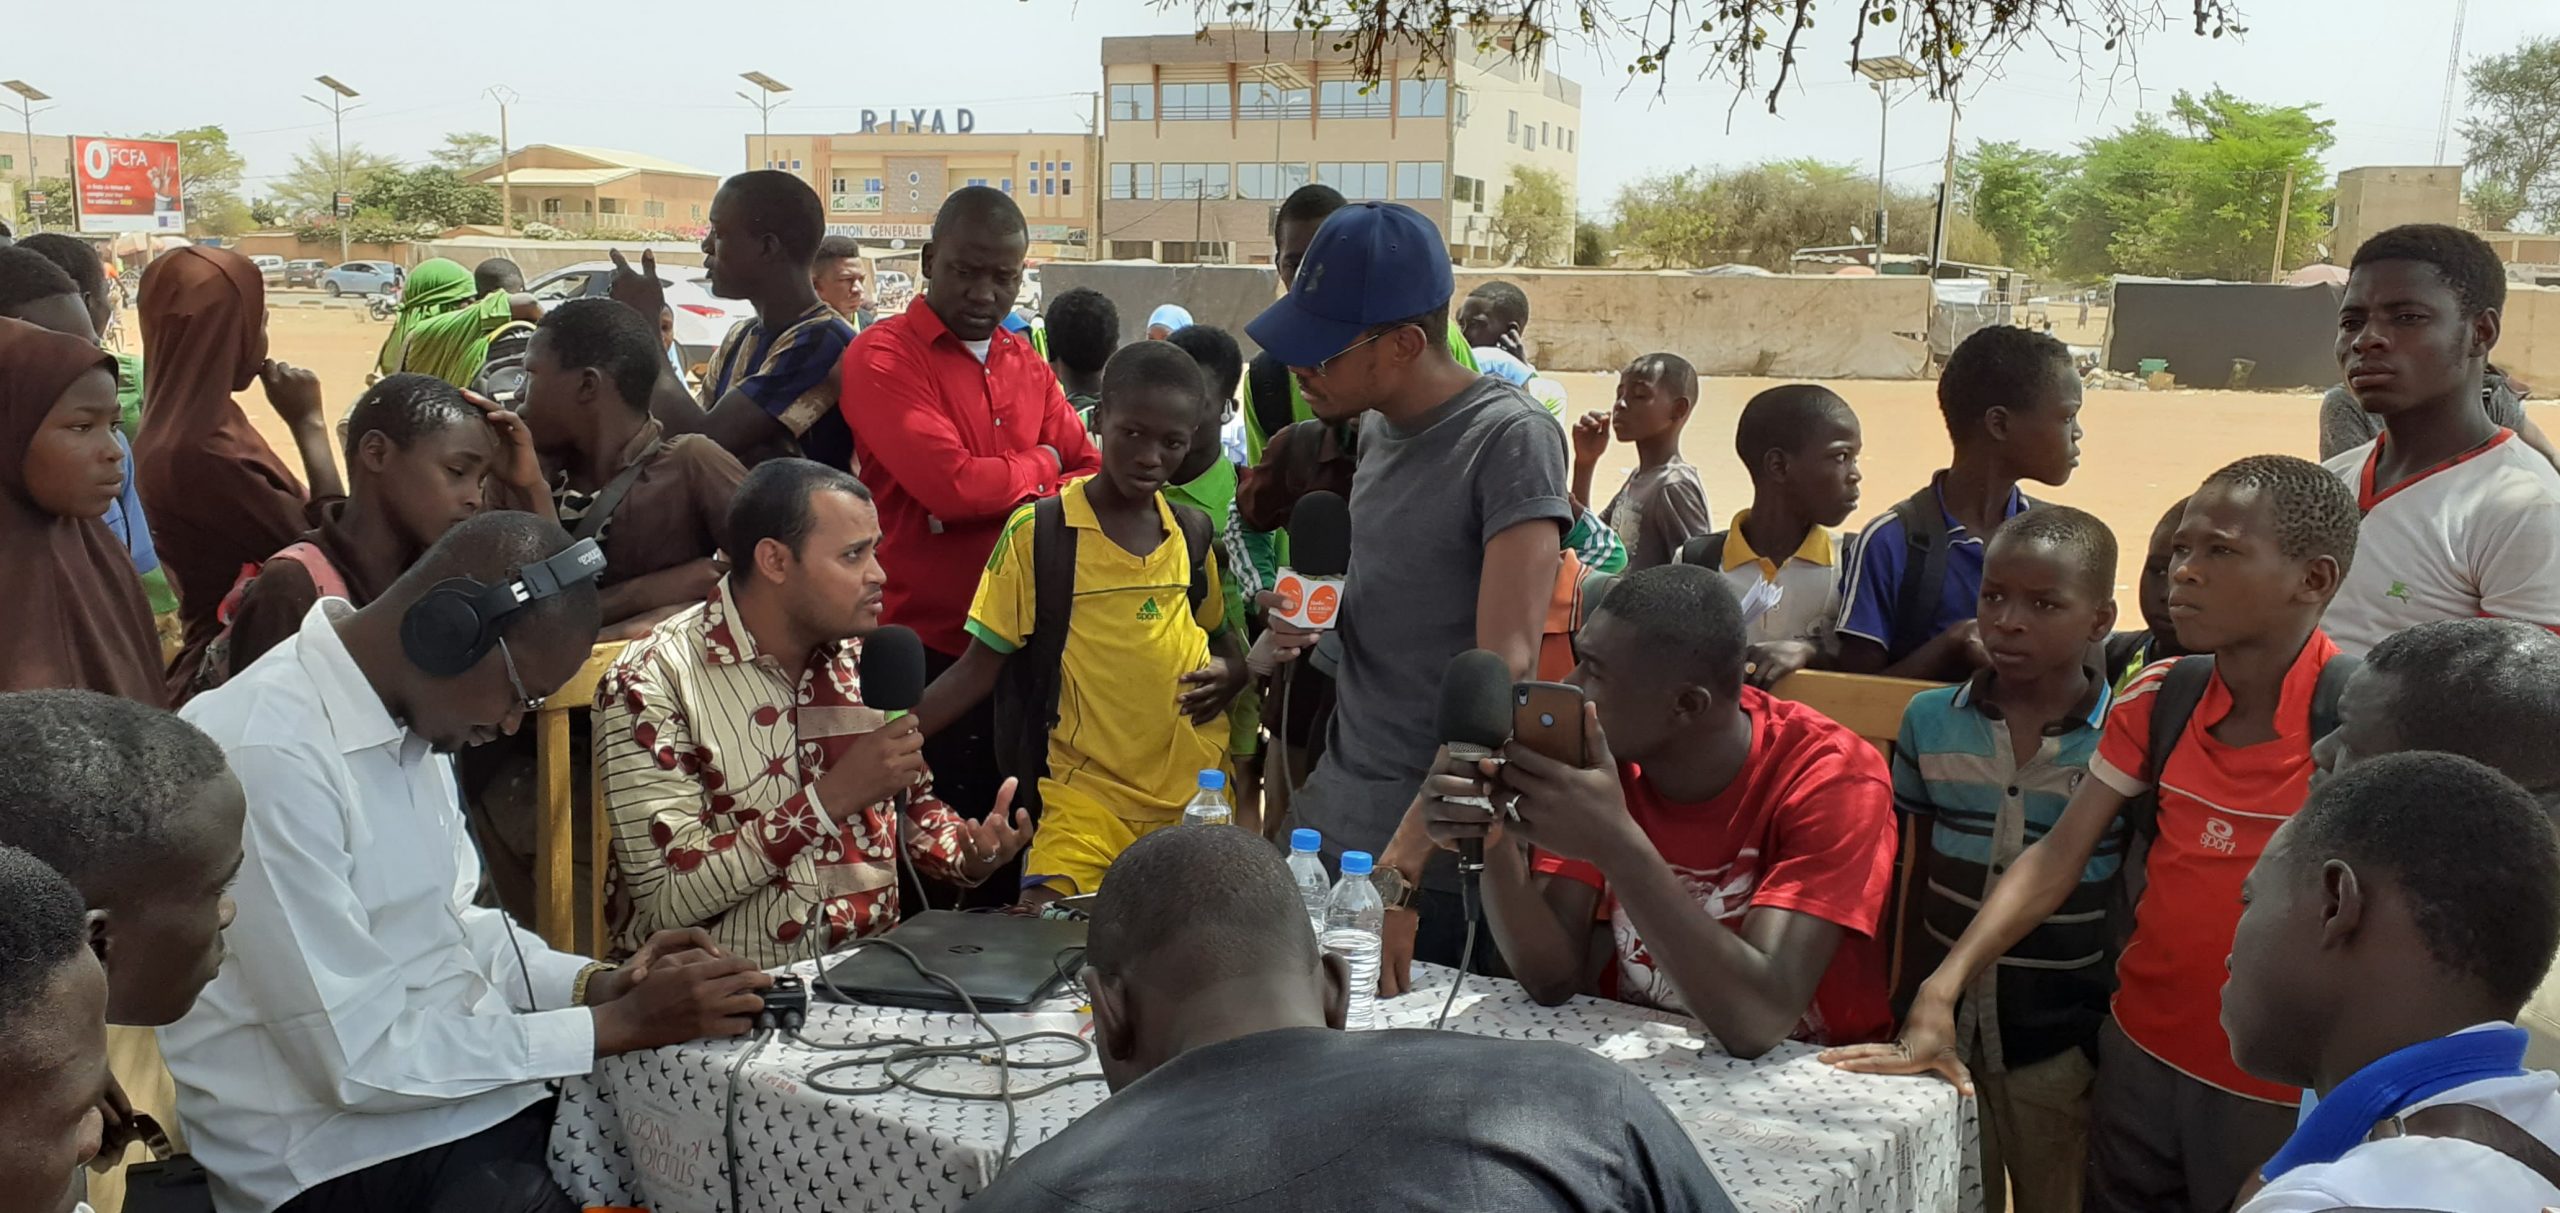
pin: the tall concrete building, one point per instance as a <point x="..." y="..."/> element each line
<point x="2374" y="199"/>
<point x="883" y="182"/>
<point x="1204" y="135"/>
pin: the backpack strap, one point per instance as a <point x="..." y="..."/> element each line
<point x="1196" y="534"/>
<point x="1924" y="572"/>
<point x="591" y="526"/>
<point x="1706" y="551"/>
<point x="2326" y="693"/>
<point x="1267" y="382"/>
<point x="2480" y="1127"/>
<point x="2171" y="707"/>
<point x="1026" y="694"/>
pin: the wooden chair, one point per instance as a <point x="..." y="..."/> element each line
<point x="557" y="908"/>
<point x="1869" y="705"/>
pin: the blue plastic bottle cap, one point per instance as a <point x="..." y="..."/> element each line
<point x="1305" y="840"/>
<point x="1213" y="780"/>
<point x="1355" y="863"/>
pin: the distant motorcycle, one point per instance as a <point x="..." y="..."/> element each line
<point x="383" y="306"/>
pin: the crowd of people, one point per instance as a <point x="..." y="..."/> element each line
<point x="2251" y="903"/>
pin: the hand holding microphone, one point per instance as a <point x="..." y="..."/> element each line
<point x="884" y="762"/>
<point x="1474" y="724"/>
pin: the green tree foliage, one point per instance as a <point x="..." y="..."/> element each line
<point x="1532" y="224"/>
<point x="2514" y="135"/>
<point x="1762" y="214"/>
<point x="2011" y="191"/>
<point x="2197" y="200"/>
<point x="1591" y="243"/>
<point x="265" y="213"/>
<point x="463" y="151"/>
<point x="430" y="196"/>
<point x="209" y="180"/>
<point x="57" y="213"/>
<point x="309" y="190"/>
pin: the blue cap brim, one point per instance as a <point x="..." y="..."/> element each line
<point x="1298" y="337"/>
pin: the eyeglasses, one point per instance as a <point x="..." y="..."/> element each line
<point x="1326" y="366"/>
<point x="528" y="704"/>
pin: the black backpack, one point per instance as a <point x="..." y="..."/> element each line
<point x="1706" y="551"/>
<point x="2171" y="708"/>
<point x="1026" y="694"/>
<point x="1267" y="382"/>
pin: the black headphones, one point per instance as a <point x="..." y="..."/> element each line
<point x="459" y="620"/>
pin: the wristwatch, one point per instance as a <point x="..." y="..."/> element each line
<point x="1393" y="888"/>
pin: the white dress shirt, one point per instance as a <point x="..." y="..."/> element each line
<point x="366" y="1010"/>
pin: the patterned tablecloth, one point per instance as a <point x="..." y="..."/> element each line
<point x="1784" y="1133"/>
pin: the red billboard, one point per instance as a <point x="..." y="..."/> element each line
<point x="126" y="185"/>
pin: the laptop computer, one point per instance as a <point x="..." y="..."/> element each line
<point x="1005" y="961"/>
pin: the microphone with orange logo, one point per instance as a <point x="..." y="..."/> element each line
<point x="1310" y="588"/>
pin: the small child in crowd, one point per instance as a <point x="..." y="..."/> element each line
<point x="657" y="503"/>
<point x="1800" y="443"/>
<point x="1981" y="771"/>
<point x="2174" y="1123"/>
<point x="2461" y="519"/>
<point x="1084" y="328"/>
<point x="2012" y="407"/>
<point x="1206" y="482"/>
<point x="2157" y="639"/>
<point x="1663" y="505"/>
<point x="1145" y="617"/>
<point x="1494" y="320"/>
<point x="419" y="455"/>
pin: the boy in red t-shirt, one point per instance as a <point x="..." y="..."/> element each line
<point x="2174" y="1124"/>
<point x="1733" y="851"/>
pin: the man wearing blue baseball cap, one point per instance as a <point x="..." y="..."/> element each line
<point x="1458" y="512"/>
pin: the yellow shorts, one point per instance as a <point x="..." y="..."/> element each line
<point x="1077" y="841"/>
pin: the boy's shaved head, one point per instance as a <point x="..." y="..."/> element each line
<point x="2084" y="542"/>
<point x="1669" y="372"/>
<point x="2315" y="514"/>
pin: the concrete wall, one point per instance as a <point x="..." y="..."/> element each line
<point x="2529" y="344"/>
<point x="2373" y="199"/>
<point x="293" y="248"/>
<point x="1599" y="320"/>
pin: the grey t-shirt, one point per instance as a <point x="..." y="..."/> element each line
<point x="2344" y="425"/>
<point x="1423" y="504"/>
<point x="1658" y="510"/>
<point x="1318" y="1121"/>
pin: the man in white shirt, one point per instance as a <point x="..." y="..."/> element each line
<point x="375" y="1040"/>
<point x="2461" y="518"/>
<point x="2392" y="930"/>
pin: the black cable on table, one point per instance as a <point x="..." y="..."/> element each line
<point x="729" y="1115"/>
<point x="1466" y="951"/>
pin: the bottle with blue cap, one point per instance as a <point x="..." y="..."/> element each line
<point x="1209" y="805"/>
<point x="1306" y="867"/>
<point x="1355" y="925"/>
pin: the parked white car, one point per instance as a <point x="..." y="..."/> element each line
<point x="702" y="319"/>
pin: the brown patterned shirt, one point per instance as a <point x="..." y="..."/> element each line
<point x="711" y="753"/>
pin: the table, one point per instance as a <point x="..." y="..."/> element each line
<point x="1785" y="1133"/>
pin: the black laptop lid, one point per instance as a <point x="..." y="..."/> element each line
<point x="1006" y="962"/>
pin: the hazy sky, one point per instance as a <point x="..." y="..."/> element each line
<point x="658" y="76"/>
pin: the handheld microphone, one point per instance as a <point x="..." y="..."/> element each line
<point x="1310" y="588"/>
<point x="1475" y="721"/>
<point x="892" y="668"/>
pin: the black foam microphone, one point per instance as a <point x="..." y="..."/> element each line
<point x="1474" y="722"/>
<point x="1310" y="588"/>
<point x="892" y="670"/>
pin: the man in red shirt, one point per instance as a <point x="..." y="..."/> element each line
<point x="955" y="422"/>
<point x="1733" y="850"/>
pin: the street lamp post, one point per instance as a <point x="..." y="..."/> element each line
<point x="505" y="96"/>
<point x="1880" y="72"/>
<point x="28" y="95"/>
<point x="767" y="99"/>
<point x="337" y="107"/>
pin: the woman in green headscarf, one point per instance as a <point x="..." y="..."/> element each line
<point x="446" y="321"/>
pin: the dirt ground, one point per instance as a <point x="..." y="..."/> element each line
<point x="2142" y="450"/>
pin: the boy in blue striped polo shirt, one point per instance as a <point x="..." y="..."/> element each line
<point x="1981" y="770"/>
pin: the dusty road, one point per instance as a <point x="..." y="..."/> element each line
<point x="2142" y="451"/>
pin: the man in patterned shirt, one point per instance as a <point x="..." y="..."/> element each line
<point x="745" y="779"/>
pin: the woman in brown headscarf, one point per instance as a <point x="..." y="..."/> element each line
<point x="76" y="616"/>
<point x="219" y="499"/>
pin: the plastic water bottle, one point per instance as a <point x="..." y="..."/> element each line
<point x="1209" y="805"/>
<point x="1307" y="869"/>
<point x="1355" y="923"/>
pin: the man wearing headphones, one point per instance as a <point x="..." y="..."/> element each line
<point x="375" y="1040"/>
